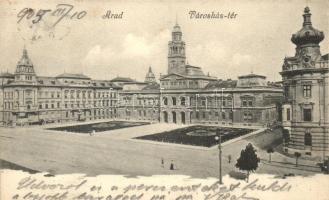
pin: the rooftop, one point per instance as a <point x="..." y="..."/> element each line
<point x="122" y="79"/>
<point x="74" y="76"/>
<point x="252" y="76"/>
<point x="6" y="75"/>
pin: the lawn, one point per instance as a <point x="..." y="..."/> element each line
<point x="99" y="127"/>
<point x="197" y="135"/>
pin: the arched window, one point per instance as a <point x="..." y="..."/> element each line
<point x="165" y="101"/>
<point x="182" y="101"/>
<point x="191" y="101"/>
<point x="173" y="101"/>
<point x="308" y="139"/>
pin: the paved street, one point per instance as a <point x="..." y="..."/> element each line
<point x="114" y="152"/>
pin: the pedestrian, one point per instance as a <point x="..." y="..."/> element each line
<point x="162" y="163"/>
<point x="172" y="165"/>
<point x="229" y="158"/>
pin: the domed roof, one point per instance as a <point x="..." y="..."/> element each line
<point x="25" y="60"/>
<point x="308" y="34"/>
<point x="176" y="28"/>
<point x="150" y="74"/>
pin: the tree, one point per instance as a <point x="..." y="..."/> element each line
<point x="297" y="155"/>
<point x="270" y="151"/>
<point x="248" y="160"/>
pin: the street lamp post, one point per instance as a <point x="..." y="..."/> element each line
<point x="219" y="139"/>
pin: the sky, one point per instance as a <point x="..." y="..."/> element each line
<point x="257" y="40"/>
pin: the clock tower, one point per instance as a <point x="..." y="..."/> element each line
<point x="176" y="52"/>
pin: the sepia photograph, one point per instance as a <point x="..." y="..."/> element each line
<point x="164" y="100"/>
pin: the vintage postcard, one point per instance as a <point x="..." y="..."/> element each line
<point x="164" y="100"/>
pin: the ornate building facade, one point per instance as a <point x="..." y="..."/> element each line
<point x="185" y="95"/>
<point x="305" y="80"/>
<point x="30" y="99"/>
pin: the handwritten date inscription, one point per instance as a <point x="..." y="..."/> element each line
<point x="62" y="11"/>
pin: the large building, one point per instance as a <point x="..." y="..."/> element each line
<point x="188" y="96"/>
<point x="185" y="95"/>
<point x="30" y="99"/>
<point x="305" y="80"/>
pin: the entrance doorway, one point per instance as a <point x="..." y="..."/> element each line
<point x="183" y="117"/>
<point x="165" y="116"/>
<point x="174" y="117"/>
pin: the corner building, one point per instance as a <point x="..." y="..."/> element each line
<point x="305" y="80"/>
<point x="28" y="99"/>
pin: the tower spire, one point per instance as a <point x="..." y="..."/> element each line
<point x="307" y="17"/>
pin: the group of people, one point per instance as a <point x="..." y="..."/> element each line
<point x="172" y="166"/>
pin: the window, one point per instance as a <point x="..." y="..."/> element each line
<point x="182" y="101"/>
<point x="307" y="90"/>
<point x="244" y="103"/>
<point x="288" y="114"/>
<point x="307" y="113"/>
<point x="204" y="115"/>
<point x="247" y="116"/>
<point x="174" y="101"/>
<point x="231" y="115"/>
<point x="249" y="103"/>
<point x="165" y="101"/>
<point x="308" y="139"/>
<point x="223" y="115"/>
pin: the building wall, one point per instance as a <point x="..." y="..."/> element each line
<point x="317" y="127"/>
<point x="202" y="107"/>
<point x="23" y="105"/>
<point x="137" y="105"/>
